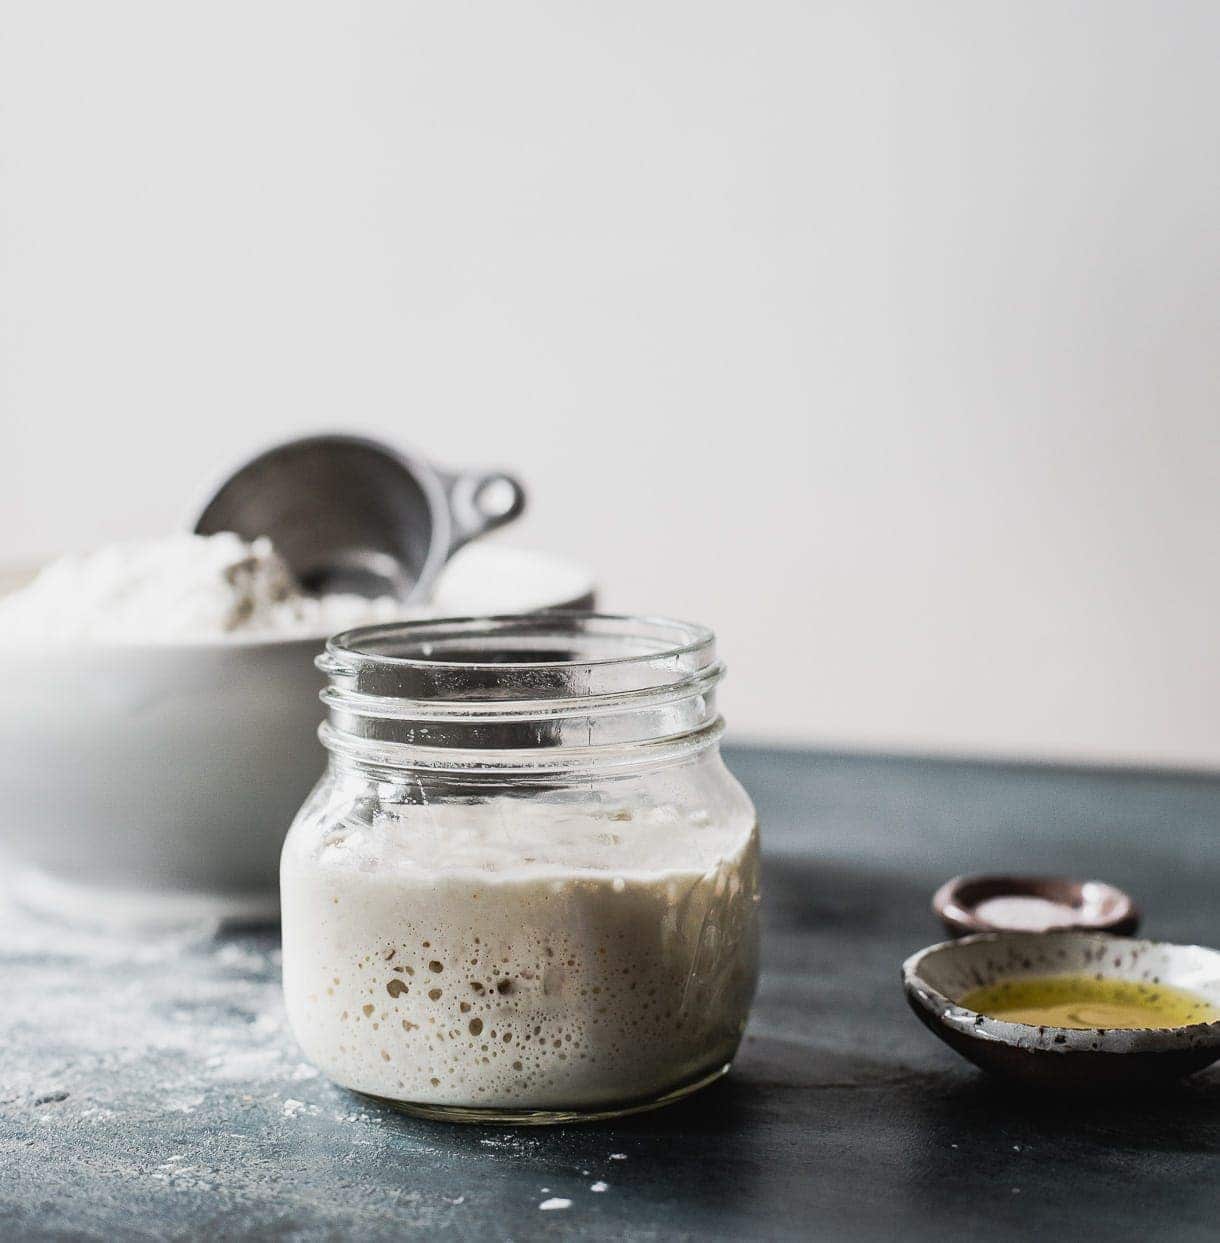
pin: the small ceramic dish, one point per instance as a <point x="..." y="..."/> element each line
<point x="937" y="978"/>
<point x="968" y="904"/>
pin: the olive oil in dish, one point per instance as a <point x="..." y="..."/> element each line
<point x="1084" y="1001"/>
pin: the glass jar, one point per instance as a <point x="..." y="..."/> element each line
<point x="526" y="887"/>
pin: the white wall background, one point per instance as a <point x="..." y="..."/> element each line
<point x="883" y="336"/>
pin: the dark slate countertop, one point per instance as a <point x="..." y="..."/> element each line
<point x="149" y="1087"/>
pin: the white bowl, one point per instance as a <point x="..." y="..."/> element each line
<point x="159" y="779"/>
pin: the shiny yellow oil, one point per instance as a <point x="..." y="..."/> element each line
<point x="1083" y="1001"/>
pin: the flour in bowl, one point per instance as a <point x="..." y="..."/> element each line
<point x="180" y="588"/>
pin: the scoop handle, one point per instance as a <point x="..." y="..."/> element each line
<point x="480" y="501"/>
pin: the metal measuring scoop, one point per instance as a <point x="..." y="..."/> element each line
<point x="353" y="515"/>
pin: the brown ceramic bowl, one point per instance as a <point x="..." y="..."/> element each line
<point x="969" y="904"/>
<point x="1087" y="1059"/>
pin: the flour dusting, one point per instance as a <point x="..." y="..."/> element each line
<point x="179" y="588"/>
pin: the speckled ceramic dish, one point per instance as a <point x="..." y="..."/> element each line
<point x="938" y="977"/>
<point x="969" y="904"/>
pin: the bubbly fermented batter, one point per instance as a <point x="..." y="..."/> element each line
<point x="518" y="955"/>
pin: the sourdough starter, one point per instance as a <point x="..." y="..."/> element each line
<point x="514" y="955"/>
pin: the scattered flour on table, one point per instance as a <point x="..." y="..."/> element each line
<point x="165" y="1025"/>
<point x="240" y="958"/>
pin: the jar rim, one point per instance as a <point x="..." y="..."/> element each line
<point x="354" y="642"/>
<point x="558" y="680"/>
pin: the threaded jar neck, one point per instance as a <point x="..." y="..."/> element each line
<point x="524" y="692"/>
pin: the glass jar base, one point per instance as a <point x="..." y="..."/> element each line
<point x="547" y="1117"/>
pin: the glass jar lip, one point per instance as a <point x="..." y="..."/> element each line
<point x="692" y="638"/>
<point x="556" y="681"/>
